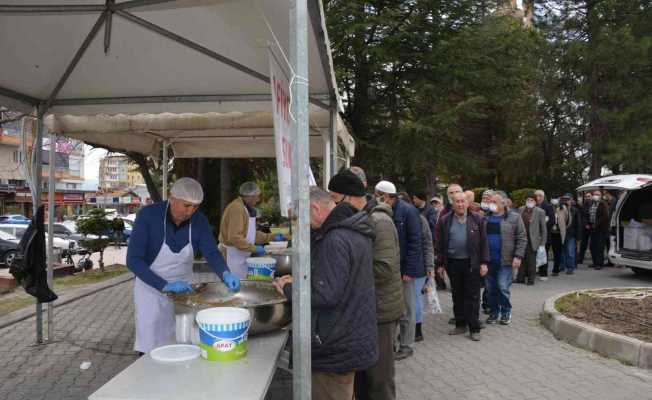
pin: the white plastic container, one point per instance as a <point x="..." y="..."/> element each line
<point x="223" y="333"/>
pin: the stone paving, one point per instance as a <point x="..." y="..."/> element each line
<point x="521" y="361"/>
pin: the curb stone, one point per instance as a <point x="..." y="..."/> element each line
<point x="626" y="349"/>
<point x="73" y="295"/>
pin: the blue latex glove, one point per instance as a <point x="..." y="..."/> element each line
<point x="279" y="237"/>
<point x="260" y="250"/>
<point x="231" y="281"/>
<point x="178" y="287"/>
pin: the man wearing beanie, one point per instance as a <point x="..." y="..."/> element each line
<point x="377" y="382"/>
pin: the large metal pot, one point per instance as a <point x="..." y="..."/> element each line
<point x="269" y="310"/>
<point x="283" y="262"/>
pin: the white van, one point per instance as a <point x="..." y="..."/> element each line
<point x="631" y="223"/>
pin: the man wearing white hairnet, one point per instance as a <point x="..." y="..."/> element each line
<point x="161" y="253"/>
<point x="238" y="230"/>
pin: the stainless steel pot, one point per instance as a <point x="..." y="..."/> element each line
<point x="283" y="262"/>
<point x="269" y="310"/>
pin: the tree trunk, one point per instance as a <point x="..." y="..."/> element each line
<point x="153" y="189"/>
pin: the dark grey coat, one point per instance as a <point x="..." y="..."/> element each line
<point x="513" y="238"/>
<point x="343" y="300"/>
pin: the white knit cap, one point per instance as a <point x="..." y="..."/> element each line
<point x="187" y="189"/>
<point x="386" y="187"/>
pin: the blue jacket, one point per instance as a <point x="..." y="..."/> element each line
<point x="430" y="213"/>
<point x="147" y="238"/>
<point x="408" y="226"/>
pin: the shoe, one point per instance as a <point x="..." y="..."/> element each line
<point x="506" y="319"/>
<point x="530" y="283"/>
<point x="403" y="353"/>
<point x="492" y="319"/>
<point x="475" y="336"/>
<point x="458" y="330"/>
<point x="486" y="310"/>
<point x="555" y="274"/>
<point x="597" y="267"/>
<point x="519" y="281"/>
<point x="481" y="325"/>
<point x="543" y="278"/>
<point x="570" y="272"/>
<point x="452" y="321"/>
<point x="418" y="334"/>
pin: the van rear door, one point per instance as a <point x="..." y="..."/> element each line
<point x="618" y="182"/>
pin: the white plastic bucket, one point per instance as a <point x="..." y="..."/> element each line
<point x="261" y="268"/>
<point x="223" y="333"/>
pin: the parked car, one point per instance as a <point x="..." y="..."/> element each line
<point x="62" y="231"/>
<point x="631" y="223"/>
<point x="15" y="219"/>
<point x="18" y="231"/>
<point x="8" y="245"/>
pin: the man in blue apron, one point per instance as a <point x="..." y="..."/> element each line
<point x="161" y="253"/>
<point x="238" y="234"/>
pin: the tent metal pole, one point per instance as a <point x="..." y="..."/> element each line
<point x="164" y="167"/>
<point x="333" y="139"/>
<point x="19" y="96"/>
<point x="45" y="9"/>
<point x="326" y="159"/>
<point x="51" y="190"/>
<point x="37" y="170"/>
<point x="301" y="336"/>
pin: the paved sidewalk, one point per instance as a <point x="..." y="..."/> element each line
<point x="522" y="361"/>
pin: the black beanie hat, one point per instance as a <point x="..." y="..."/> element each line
<point x="346" y="183"/>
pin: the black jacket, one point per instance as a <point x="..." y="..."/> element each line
<point x="30" y="268"/>
<point x="430" y="213"/>
<point x="478" y="246"/>
<point x="343" y="302"/>
<point x="550" y="215"/>
<point x="576" y="227"/>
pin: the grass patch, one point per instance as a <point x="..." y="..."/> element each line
<point x="17" y="299"/>
<point x="89" y="277"/>
<point x="571" y="301"/>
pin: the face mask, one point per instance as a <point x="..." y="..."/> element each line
<point x="596" y="198"/>
<point x="485" y="206"/>
<point x="554" y="202"/>
<point x="493" y="207"/>
<point x="530" y="204"/>
<point x="380" y="199"/>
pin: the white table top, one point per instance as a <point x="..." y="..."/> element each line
<point x="200" y="379"/>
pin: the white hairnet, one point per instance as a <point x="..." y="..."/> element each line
<point x="249" y="189"/>
<point x="187" y="189"/>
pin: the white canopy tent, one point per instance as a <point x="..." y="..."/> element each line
<point x="110" y="71"/>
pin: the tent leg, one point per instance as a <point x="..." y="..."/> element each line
<point x="37" y="169"/>
<point x="164" y="167"/>
<point x="301" y="342"/>
<point x="333" y="140"/>
<point x="51" y="190"/>
<point x="326" y="160"/>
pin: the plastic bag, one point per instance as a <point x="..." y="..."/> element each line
<point x="542" y="257"/>
<point x="430" y="298"/>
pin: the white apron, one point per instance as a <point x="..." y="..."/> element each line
<point x="237" y="259"/>
<point x="155" y="322"/>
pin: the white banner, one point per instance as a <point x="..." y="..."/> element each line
<point x="283" y="125"/>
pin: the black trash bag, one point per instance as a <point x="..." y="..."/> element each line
<point x="30" y="267"/>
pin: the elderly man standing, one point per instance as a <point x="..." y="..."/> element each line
<point x="534" y="219"/>
<point x="408" y="226"/>
<point x="450" y="191"/>
<point x="238" y="232"/>
<point x="462" y="249"/>
<point x="161" y="254"/>
<point x="343" y="301"/>
<point x="507" y="243"/>
<point x="543" y="204"/>
<point x="377" y="382"/>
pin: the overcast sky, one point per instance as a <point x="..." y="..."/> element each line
<point x="92" y="162"/>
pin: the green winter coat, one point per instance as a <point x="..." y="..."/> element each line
<point x="387" y="263"/>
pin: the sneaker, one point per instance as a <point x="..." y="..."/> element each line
<point x="543" y="278"/>
<point x="506" y="319"/>
<point x="418" y="333"/>
<point x="403" y="353"/>
<point x="492" y="319"/>
<point x="530" y="283"/>
<point x="451" y="321"/>
<point x="475" y="336"/>
<point x="458" y="330"/>
<point x="555" y="274"/>
<point x="570" y="272"/>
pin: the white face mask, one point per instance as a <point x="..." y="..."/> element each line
<point x="555" y="202"/>
<point x="530" y="204"/>
<point x="596" y="198"/>
<point x="485" y="206"/>
<point x="493" y="207"/>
